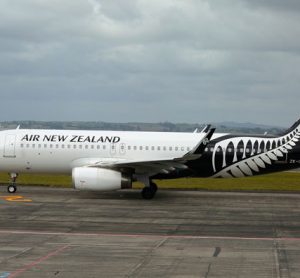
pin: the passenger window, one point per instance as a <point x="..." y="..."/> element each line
<point x="92" y="146"/>
<point x="164" y="148"/>
<point x="152" y="148"/>
<point x="86" y="146"/>
<point x="158" y="148"/>
<point x="176" y="148"/>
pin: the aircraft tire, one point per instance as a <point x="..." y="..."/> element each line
<point x="148" y="193"/>
<point x="153" y="186"/>
<point x="11" y="189"/>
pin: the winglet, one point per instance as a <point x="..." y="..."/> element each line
<point x="206" y="128"/>
<point x="198" y="150"/>
<point x="200" y="147"/>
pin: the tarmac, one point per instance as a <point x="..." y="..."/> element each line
<point x="51" y="232"/>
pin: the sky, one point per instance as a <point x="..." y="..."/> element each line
<point x="191" y="61"/>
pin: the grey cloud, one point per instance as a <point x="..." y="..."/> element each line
<point x="150" y="60"/>
<point x="277" y="5"/>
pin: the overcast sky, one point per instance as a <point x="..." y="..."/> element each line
<point x="189" y="61"/>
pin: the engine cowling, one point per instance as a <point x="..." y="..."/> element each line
<point x="87" y="178"/>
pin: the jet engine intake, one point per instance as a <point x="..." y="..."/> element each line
<point x="98" y="179"/>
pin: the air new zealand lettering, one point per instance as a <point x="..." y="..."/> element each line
<point x="94" y="139"/>
<point x="72" y="139"/>
<point x="54" y="138"/>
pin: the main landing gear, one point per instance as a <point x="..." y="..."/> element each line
<point x="12" y="187"/>
<point x="149" y="191"/>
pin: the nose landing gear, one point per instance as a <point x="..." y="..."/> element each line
<point x="12" y="187"/>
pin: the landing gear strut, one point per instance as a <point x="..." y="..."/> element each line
<point x="148" y="192"/>
<point x="12" y="187"/>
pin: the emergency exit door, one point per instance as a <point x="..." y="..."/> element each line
<point x="10" y="146"/>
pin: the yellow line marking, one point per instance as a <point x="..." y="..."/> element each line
<point x="15" y="198"/>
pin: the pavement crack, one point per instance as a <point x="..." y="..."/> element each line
<point x="216" y="254"/>
<point x="281" y="262"/>
<point x="277" y="270"/>
<point x="135" y="271"/>
<point x="208" y="270"/>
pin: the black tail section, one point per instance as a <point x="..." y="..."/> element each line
<point x="248" y="155"/>
<point x="294" y="127"/>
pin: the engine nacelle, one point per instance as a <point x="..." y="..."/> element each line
<point x="88" y="178"/>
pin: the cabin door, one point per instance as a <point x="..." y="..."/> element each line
<point x="10" y="146"/>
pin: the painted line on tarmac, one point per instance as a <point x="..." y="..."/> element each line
<point x="15" y="198"/>
<point x="150" y="236"/>
<point x="38" y="261"/>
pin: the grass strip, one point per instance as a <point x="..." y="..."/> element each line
<point x="39" y="179"/>
<point x="284" y="181"/>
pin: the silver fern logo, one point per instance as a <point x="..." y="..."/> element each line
<point x="245" y="156"/>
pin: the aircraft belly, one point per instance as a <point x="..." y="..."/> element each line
<point x="36" y="163"/>
<point x="49" y="163"/>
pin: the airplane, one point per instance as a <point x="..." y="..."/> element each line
<point x="112" y="160"/>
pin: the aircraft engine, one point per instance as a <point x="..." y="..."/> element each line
<point x="98" y="179"/>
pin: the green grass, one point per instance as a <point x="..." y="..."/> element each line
<point x="37" y="179"/>
<point x="284" y="181"/>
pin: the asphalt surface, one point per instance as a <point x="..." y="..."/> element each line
<point x="46" y="232"/>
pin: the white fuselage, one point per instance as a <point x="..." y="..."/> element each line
<point x="59" y="151"/>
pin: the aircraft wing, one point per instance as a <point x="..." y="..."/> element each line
<point x="152" y="167"/>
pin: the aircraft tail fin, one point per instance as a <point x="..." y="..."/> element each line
<point x="294" y="127"/>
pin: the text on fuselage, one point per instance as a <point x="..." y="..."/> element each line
<point x="70" y="138"/>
